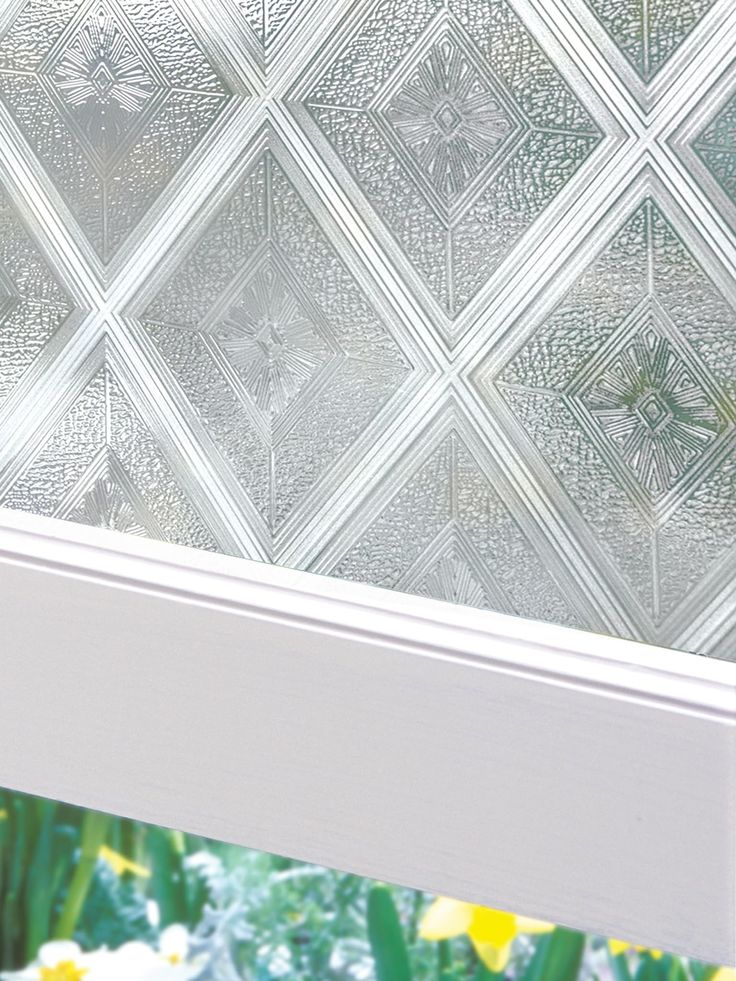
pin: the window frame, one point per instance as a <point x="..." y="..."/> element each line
<point x="577" y="778"/>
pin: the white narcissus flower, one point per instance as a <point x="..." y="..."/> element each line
<point x="63" y="960"/>
<point x="131" y="961"/>
<point x="174" y="944"/>
<point x="172" y="959"/>
<point x="139" y="962"/>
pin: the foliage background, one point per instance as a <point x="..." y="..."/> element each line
<point x="70" y="873"/>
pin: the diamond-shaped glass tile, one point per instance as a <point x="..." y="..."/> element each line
<point x="458" y="131"/>
<point x="445" y="529"/>
<point x="102" y="81"/>
<point x="96" y="461"/>
<point x="447" y="117"/>
<point x="276" y="345"/>
<point x="273" y="336"/>
<point x="716" y="147"/>
<point x="112" y="97"/>
<point x="626" y="389"/>
<point x="656" y="413"/>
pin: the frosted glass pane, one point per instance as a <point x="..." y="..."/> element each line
<point x="433" y="295"/>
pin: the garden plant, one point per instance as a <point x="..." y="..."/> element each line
<point x="88" y="897"/>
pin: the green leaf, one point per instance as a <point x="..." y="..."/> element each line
<point x="675" y="970"/>
<point x="444" y="956"/>
<point x="386" y="937"/>
<point x="710" y="972"/>
<point x="649" y="969"/>
<point x="619" y="967"/>
<point x="482" y="973"/>
<point x="11" y="921"/>
<point x="702" y="972"/>
<point x="168" y="883"/>
<point x="558" y="955"/>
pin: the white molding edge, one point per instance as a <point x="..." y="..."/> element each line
<point x="552" y="772"/>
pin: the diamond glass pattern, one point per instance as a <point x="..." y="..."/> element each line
<point x="266" y="17"/>
<point x="267" y="336"/>
<point x="657" y="413"/>
<point x="446" y="129"/>
<point x="446" y="118"/>
<point x="287" y="336"/>
<point x="648" y="33"/>
<point x="716" y="146"/>
<point x="437" y="295"/>
<point x="34" y="306"/>
<point x="112" y="97"/>
<point x="636" y="418"/>
<point x="100" y="464"/>
<point x="445" y="530"/>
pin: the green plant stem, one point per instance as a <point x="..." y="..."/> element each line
<point x="11" y="917"/>
<point x="39" y="894"/>
<point x="416" y="909"/>
<point x="168" y="885"/>
<point x="444" y="956"/>
<point x="386" y="938"/>
<point x="94" y="831"/>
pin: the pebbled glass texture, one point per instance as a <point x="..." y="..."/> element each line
<point x="436" y="295"/>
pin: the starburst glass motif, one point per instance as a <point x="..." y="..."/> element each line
<point x="450" y="116"/>
<point x="112" y="96"/>
<point x="457" y="130"/>
<point x="654" y="411"/>
<point x="453" y="580"/>
<point x="271" y="341"/>
<point x="277" y="346"/>
<point x="626" y="387"/>
<point x="104" y="82"/>
<point x="105" y="506"/>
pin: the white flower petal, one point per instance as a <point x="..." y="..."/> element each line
<point x="56" y="951"/>
<point x="153" y="914"/>
<point x="131" y="962"/>
<point x="174" y="941"/>
<point x="170" y="972"/>
<point x="136" y="952"/>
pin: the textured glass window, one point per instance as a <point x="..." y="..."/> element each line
<point x="436" y="296"/>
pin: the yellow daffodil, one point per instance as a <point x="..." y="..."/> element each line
<point x="724" y="974"/>
<point x="120" y="864"/>
<point x="621" y="946"/>
<point x="491" y="931"/>
<point x="64" y="971"/>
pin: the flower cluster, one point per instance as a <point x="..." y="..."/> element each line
<point x="492" y="931"/>
<point x="64" y="960"/>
